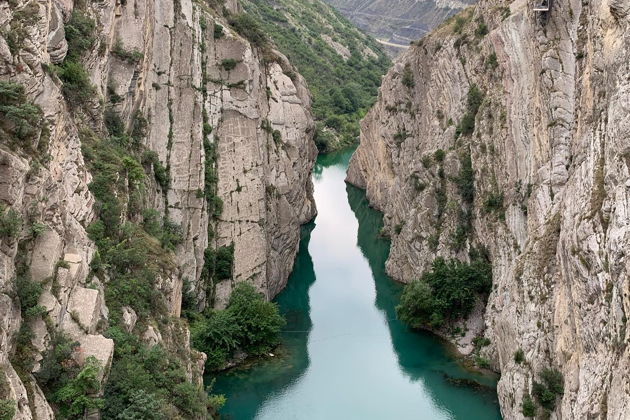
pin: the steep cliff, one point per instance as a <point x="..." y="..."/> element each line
<point x="151" y="151"/>
<point x="342" y="65"/>
<point x="530" y="110"/>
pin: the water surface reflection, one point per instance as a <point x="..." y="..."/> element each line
<point x="348" y="356"/>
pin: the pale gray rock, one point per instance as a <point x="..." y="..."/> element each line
<point x="129" y="318"/>
<point x="264" y="184"/>
<point x="57" y="44"/>
<point x="551" y="136"/>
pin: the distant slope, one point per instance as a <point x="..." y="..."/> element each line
<point x="398" y="21"/>
<point x="342" y="65"/>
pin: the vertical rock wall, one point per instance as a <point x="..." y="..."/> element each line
<point x="550" y="147"/>
<point x="161" y="60"/>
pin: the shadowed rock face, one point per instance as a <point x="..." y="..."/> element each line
<point x="177" y="76"/>
<point x="549" y="154"/>
<point x="398" y="22"/>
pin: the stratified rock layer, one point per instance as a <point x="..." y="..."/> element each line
<point x="549" y="153"/>
<point x="164" y="61"/>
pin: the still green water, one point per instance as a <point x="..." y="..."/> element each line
<point x="347" y="356"/>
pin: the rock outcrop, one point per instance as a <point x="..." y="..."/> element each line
<point x="178" y="66"/>
<point x="538" y="104"/>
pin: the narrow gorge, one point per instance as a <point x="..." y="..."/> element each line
<point x="244" y="209"/>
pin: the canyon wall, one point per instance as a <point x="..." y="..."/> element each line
<point x="536" y="107"/>
<point x="220" y="116"/>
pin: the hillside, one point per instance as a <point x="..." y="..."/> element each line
<point x="342" y="65"/>
<point x="398" y="22"/>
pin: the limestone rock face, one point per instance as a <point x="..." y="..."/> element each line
<point x="549" y="152"/>
<point x="162" y="62"/>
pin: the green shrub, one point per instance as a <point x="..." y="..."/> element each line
<point x="142" y="406"/>
<point x="439" y="155"/>
<point x="458" y="24"/>
<point x="229" y="64"/>
<point x="79" y="34"/>
<point x="445" y="293"/>
<point x="58" y="366"/>
<point x="276" y="135"/>
<point x="467" y="124"/>
<point x="77" y="87"/>
<point x="519" y="356"/>
<point x="491" y="61"/>
<point x="20" y="119"/>
<point x="160" y="172"/>
<point x="401" y="136"/>
<point x="218" y="31"/>
<point x="547" y="391"/>
<point x="528" y="408"/>
<point x="172" y="235"/>
<point x="10" y="223"/>
<point x="37" y="229"/>
<point x="494" y="203"/>
<point x="482" y="29"/>
<point x="323" y="138"/>
<point x="113" y="123"/>
<point x="7" y="409"/>
<point x="131" y="57"/>
<point x="29" y="292"/>
<point x="479" y="342"/>
<point x="248" y="323"/>
<point x="249" y="28"/>
<point x="466" y="179"/>
<point x="218" y="336"/>
<point x="77" y="396"/>
<point x="259" y="320"/>
<point x="482" y="362"/>
<point x="142" y="378"/>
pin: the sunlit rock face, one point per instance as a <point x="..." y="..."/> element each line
<point x="549" y="153"/>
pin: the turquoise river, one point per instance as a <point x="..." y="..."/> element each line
<point x="344" y="354"/>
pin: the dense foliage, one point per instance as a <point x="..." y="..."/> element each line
<point x="528" y="407"/>
<point x="80" y="33"/>
<point x="343" y="89"/>
<point x="549" y="389"/>
<point x="447" y="292"/>
<point x="71" y="388"/>
<point x="7" y="409"/>
<point x="249" y="323"/>
<point x="144" y="381"/>
<point x="20" y="119"/>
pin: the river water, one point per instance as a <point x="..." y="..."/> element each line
<point x="345" y="355"/>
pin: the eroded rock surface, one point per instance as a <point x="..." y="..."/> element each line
<point x="160" y="61"/>
<point x="549" y="152"/>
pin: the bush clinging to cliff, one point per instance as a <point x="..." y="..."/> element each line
<point x="249" y="323"/>
<point x="447" y="292"/>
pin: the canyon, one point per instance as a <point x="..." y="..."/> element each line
<point x="157" y="155"/>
